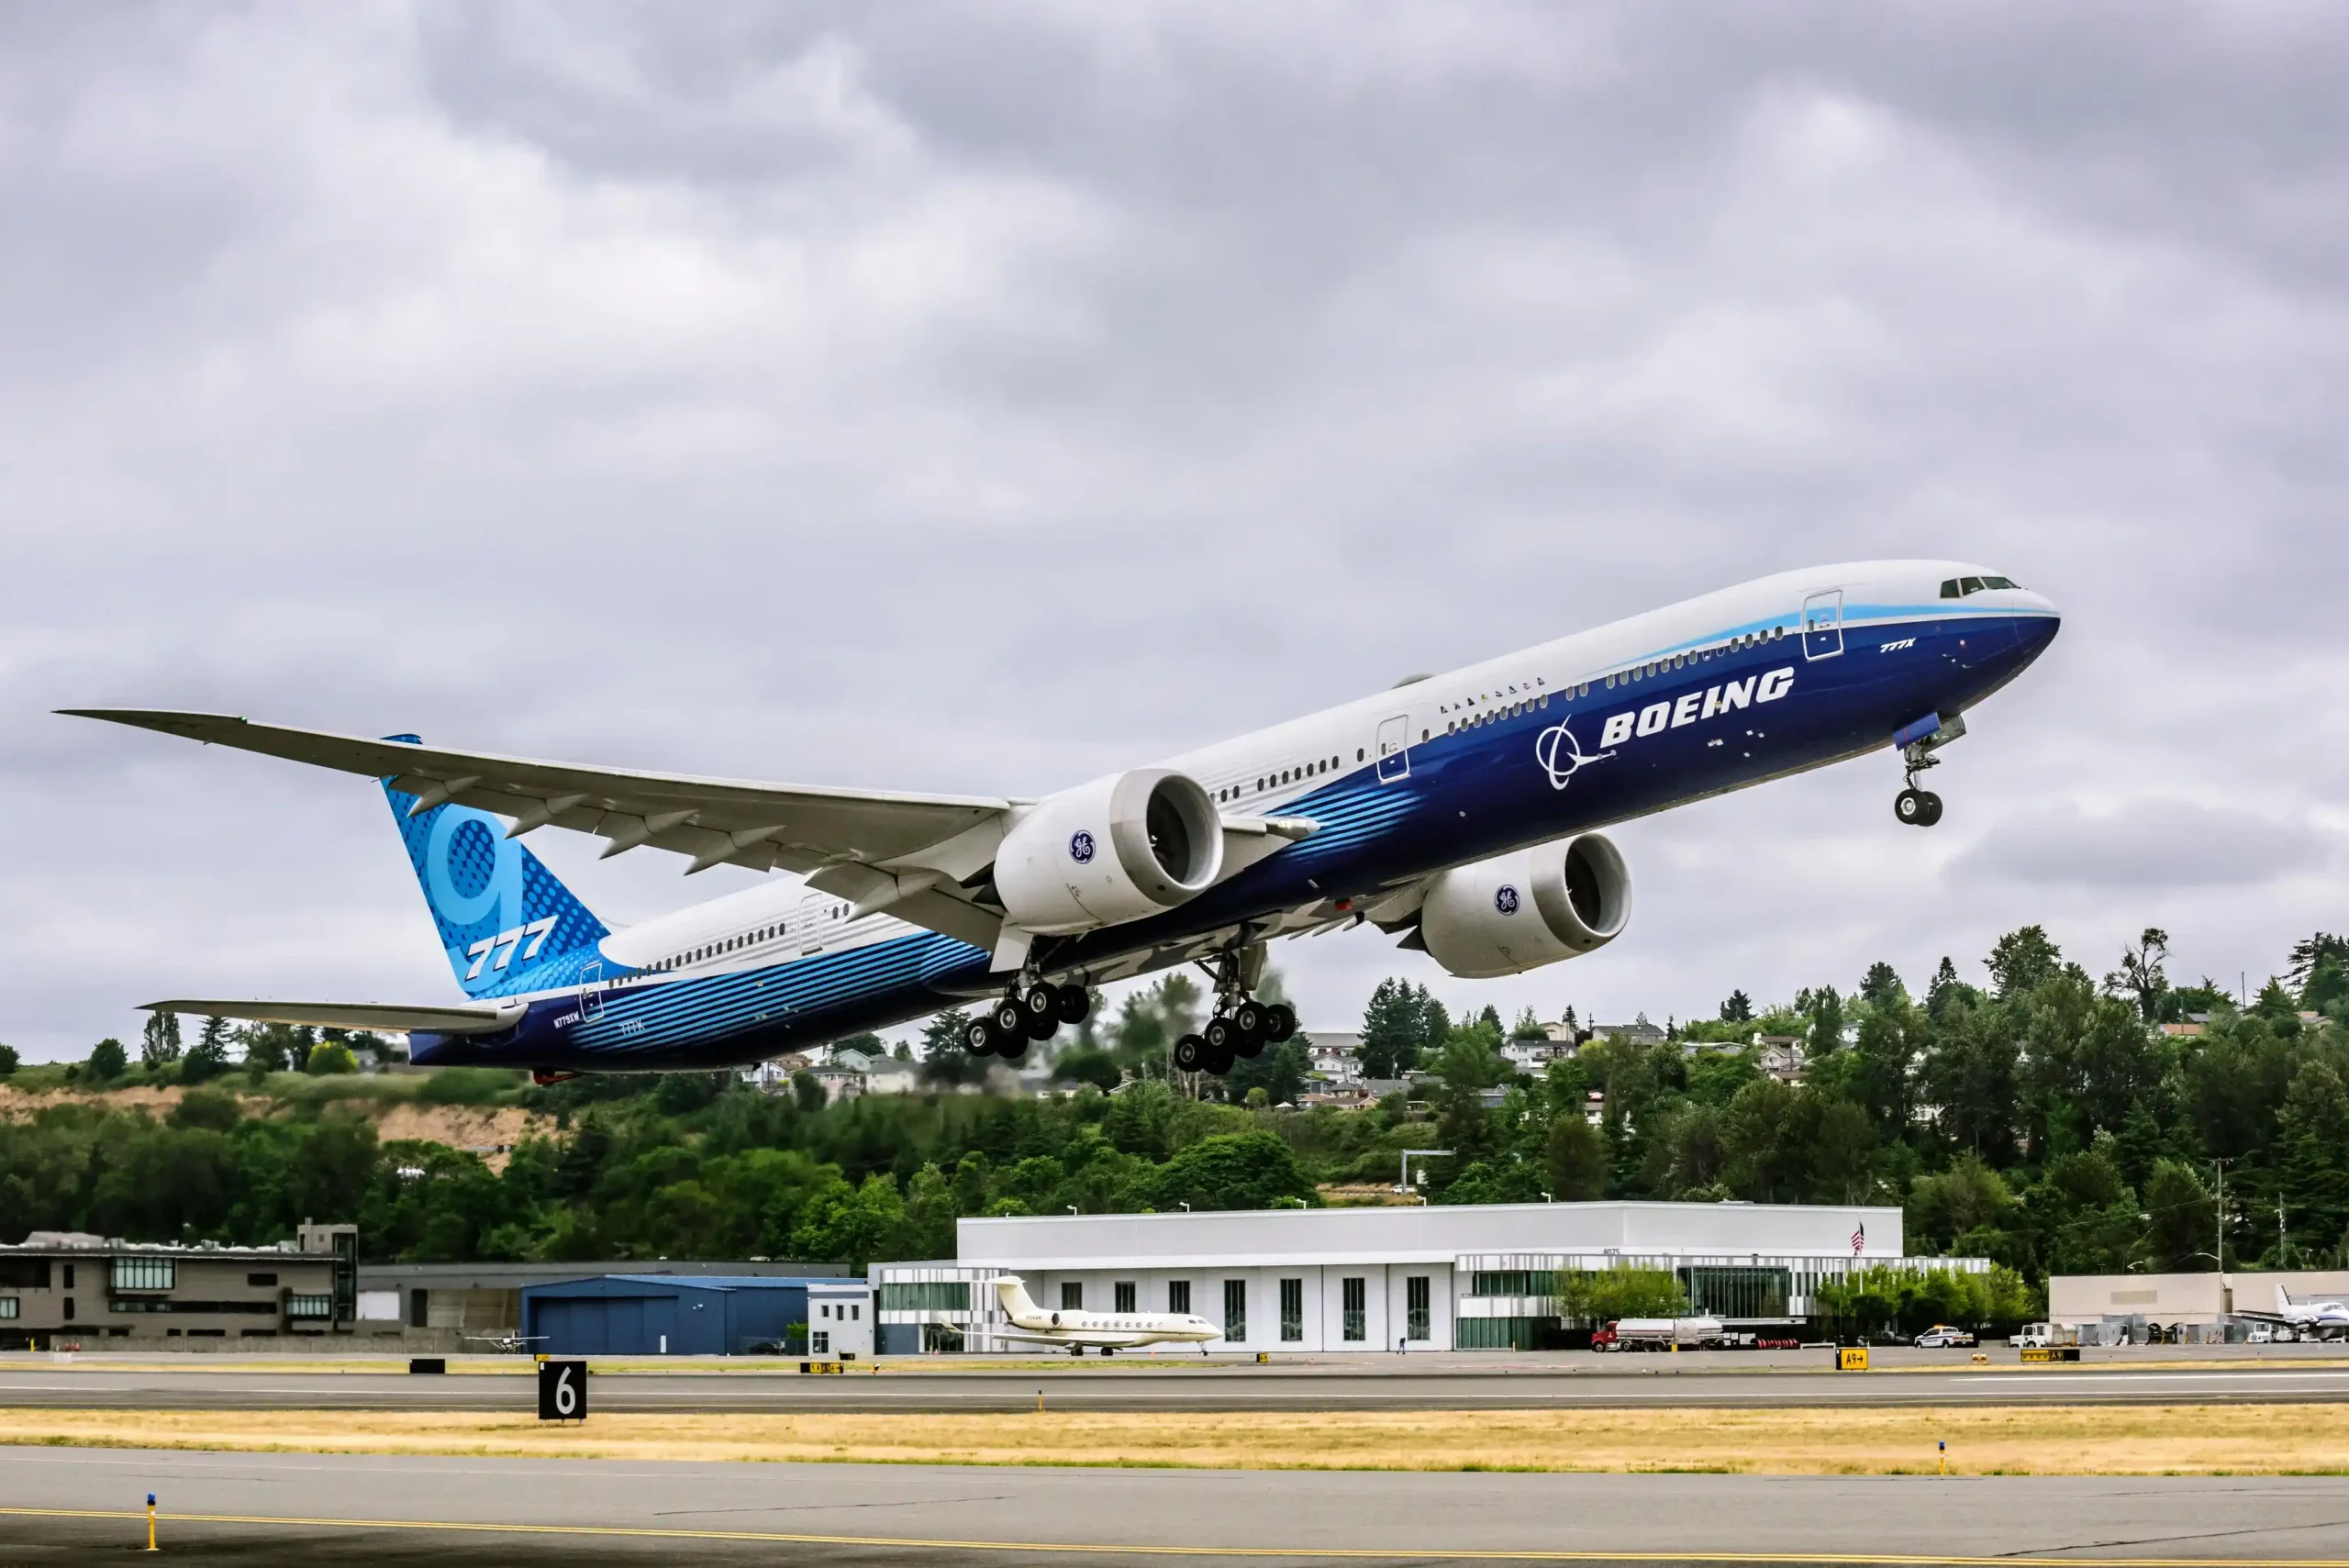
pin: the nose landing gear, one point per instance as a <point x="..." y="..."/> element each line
<point x="1914" y="806"/>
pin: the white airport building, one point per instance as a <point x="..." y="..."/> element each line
<point x="1425" y="1277"/>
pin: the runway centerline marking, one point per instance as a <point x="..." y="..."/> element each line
<point x="1344" y="1553"/>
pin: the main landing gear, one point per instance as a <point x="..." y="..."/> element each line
<point x="1032" y="1012"/>
<point x="1241" y="1027"/>
<point x="1917" y="808"/>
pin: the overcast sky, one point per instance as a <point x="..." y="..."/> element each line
<point x="986" y="399"/>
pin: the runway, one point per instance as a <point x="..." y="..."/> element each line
<point x="1590" y="1384"/>
<point x="59" y="1504"/>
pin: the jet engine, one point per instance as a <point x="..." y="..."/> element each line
<point x="1529" y="907"/>
<point x="1121" y="848"/>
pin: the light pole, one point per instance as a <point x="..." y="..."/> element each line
<point x="1404" y="1183"/>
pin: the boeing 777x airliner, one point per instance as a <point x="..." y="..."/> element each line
<point x="1459" y="811"/>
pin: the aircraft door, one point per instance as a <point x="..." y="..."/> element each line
<point x="1395" y="748"/>
<point x="809" y="919"/>
<point x="591" y="992"/>
<point x="1822" y="624"/>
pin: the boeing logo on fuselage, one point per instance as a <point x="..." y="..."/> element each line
<point x="1690" y="706"/>
<point x="1561" y="756"/>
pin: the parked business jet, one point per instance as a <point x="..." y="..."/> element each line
<point x="1459" y="812"/>
<point x="1109" y="1332"/>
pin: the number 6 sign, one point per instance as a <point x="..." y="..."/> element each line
<point x="563" y="1391"/>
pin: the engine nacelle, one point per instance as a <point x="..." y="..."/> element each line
<point x="1530" y="907"/>
<point x="1119" y="849"/>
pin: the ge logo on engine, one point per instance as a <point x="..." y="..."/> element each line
<point x="1080" y="847"/>
<point x="1505" y="899"/>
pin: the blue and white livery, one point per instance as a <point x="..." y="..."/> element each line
<point x="1460" y="811"/>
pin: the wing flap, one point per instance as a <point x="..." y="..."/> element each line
<point x="485" y="1019"/>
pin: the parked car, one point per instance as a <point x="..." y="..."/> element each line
<point x="1941" y="1334"/>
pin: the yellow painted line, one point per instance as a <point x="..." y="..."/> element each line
<point x="1469" y="1554"/>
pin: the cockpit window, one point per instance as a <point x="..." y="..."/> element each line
<point x="1958" y="587"/>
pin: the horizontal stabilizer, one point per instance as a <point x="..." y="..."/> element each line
<point x="485" y="1019"/>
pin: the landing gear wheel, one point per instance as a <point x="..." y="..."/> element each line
<point x="1041" y="1004"/>
<point x="1932" y="809"/>
<point x="1013" y="1048"/>
<point x="1909" y="806"/>
<point x="1010" y="1018"/>
<point x="1071" y="1004"/>
<point x="978" y="1037"/>
<point x="1191" y="1053"/>
<point x="1248" y="1018"/>
<point x="1280" y="1022"/>
<point x="1043" y="1029"/>
<point x="1220" y="1060"/>
<point x="1223" y="1037"/>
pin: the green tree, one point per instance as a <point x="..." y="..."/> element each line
<point x="107" y="1060"/>
<point x="8" y="1060"/>
<point x="159" y="1042"/>
<point x="1402" y="1021"/>
<point x="2020" y="960"/>
<point x="208" y="1057"/>
<point x="1738" y="1009"/>
<point x="1882" y="986"/>
<point x="2314" y="1166"/>
<point x="2141" y="974"/>
<point x="1589" y="1297"/>
<point x="855" y="1226"/>
<point x="1231" y="1170"/>
<point x="331" y="1057"/>
<point x="1575" y="1158"/>
<point x="2180" y="1219"/>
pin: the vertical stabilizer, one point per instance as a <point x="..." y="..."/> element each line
<point x="506" y="921"/>
<point x="1011" y="1290"/>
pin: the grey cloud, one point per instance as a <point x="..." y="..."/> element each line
<point x="965" y="397"/>
<point x="2148" y="845"/>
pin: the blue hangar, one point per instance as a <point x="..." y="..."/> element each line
<point x="676" y="1315"/>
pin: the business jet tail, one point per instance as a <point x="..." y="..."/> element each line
<point x="1012" y="1291"/>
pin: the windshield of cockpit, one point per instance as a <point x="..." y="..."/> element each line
<point x="1959" y="587"/>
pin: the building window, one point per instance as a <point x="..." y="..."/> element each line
<point x="1354" y="1295"/>
<point x="1292" y="1310"/>
<point x="1415" y="1308"/>
<point x="24" y="1273"/>
<point x="1178" y="1297"/>
<point x="261" y="1279"/>
<point x="143" y="1274"/>
<point x="69" y="1309"/>
<point x="417" y="1318"/>
<point x="1072" y="1296"/>
<point x="1513" y="1281"/>
<point x="7" y="1307"/>
<point x="300" y="1305"/>
<point x="1123" y="1293"/>
<point x="69" y="1276"/>
<point x="1235" y="1310"/>
<point x="821" y="1342"/>
<point x="927" y="1296"/>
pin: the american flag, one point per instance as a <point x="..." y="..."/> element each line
<point x="1859" y="1237"/>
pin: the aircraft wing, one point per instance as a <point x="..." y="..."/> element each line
<point x="485" y="1018"/>
<point x="879" y="849"/>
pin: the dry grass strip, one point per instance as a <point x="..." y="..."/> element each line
<point x="2265" y="1440"/>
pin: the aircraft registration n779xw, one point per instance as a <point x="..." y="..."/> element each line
<point x="1461" y="811"/>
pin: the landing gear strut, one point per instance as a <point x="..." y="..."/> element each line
<point x="1914" y="806"/>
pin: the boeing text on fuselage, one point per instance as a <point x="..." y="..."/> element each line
<point x="1438" y="812"/>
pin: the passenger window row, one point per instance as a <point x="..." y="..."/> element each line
<point x="734" y="944"/>
<point x="1652" y="668"/>
<point x="1312" y="770"/>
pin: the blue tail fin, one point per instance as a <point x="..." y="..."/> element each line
<point x="505" y="922"/>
